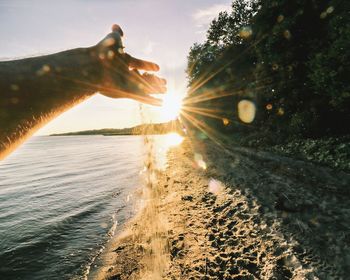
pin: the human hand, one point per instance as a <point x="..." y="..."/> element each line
<point x="121" y="77"/>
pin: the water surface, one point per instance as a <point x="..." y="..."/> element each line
<point x="60" y="199"/>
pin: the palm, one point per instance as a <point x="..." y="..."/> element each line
<point x="121" y="77"/>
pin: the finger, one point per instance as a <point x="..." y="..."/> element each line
<point x="140" y="64"/>
<point x="147" y="83"/>
<point x="153" y="84"/>
<point x="141" y="97"/>
<point x="154" y="79"/>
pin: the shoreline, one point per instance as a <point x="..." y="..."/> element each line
<point x="245" y="217"/>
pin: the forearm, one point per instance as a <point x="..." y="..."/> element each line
<point x="35" y="90"/>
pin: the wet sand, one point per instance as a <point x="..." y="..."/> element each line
<point x="247" y="215"/>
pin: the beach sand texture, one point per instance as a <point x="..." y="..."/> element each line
<point x="248" y="215"/>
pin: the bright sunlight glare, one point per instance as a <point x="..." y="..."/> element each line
<point x="172" y="103"/>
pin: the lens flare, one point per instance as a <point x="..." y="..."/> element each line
<point x="246" y="111"/>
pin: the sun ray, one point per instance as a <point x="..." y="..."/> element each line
<point x="204" y="80"/>
<point x="214" y="94"/>
<point x="212" y="134"/>
<point x="203" y="113"/>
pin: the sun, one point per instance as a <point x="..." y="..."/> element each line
<point x="171" y="107"/>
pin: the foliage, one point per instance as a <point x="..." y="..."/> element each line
<point x="291" y="58"/>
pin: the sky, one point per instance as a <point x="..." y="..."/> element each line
<point x="158" y="30"/>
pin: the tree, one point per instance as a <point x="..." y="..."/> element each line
<point x="290" y="58"/>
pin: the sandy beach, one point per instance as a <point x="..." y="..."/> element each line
<point x="235" y="214"/>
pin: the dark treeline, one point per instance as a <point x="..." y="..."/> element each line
<point x="290" y="58"/>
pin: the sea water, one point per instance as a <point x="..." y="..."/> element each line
<point x="60" y="200"/>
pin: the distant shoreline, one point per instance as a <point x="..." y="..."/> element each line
<point x="144" y="129"/>
<point x="98" y="134"/>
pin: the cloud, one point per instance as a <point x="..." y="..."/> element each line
<point x="203" y="17"/>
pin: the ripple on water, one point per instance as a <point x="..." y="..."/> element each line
<point x="59" y="198"/>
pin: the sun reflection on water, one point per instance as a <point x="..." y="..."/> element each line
<point x="173" y="139"/>
<point x="162" y="144"/>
